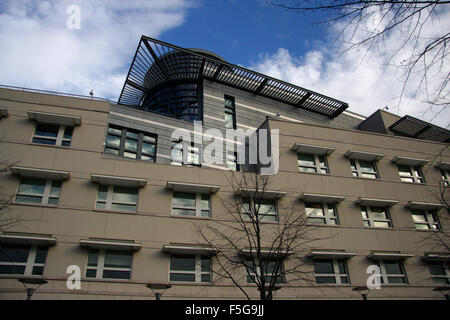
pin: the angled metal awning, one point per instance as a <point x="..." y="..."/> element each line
<point x="415" y="128"/>
<point x="157" y="62"/>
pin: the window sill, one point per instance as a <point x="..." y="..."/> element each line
<point x="106" y="280"/>
<point x="369" y="179"/>
<point x="379" y="228"/>
<point x="323" y="225"/>
<point x="315" y="173"/>
<point x="48" y="145"/>
<point x="34" y="204"/>
<point x="187" y="283"/>
<point x="113" y="157"/>
<point x="114" y="211"/>
<point x="191" y="217"/>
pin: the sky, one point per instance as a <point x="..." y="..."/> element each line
<point x="42" y="48"/>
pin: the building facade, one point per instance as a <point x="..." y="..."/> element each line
<point x="108" y="188"/>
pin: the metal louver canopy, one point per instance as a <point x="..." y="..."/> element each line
<point x="157" y="62"/>
<point x="415" y="128"/>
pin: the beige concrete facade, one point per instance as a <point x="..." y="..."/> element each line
<point x="152" y="226"/>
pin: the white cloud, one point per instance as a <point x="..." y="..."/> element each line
<point x="366" y="84"/>
<point x="39" y="51"/>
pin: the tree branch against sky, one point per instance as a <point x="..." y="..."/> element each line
<point x="409" y="34"/>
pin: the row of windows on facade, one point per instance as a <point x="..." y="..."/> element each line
<point x="18" y="259"/>
<point x="365" y="169"/>
<point x="132" y="144"/>
<point x="118" y="198"/>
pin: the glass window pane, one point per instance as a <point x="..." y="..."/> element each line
<point x="344" y="280"/>
<point x="229" y="121"/>
<point x="31" y="185"/>
<point x="44" y="141"/>
<point x="419" y="217"/>
<point x="325" y="266"/>
<point x="37" y="271"/>
<point x="396" y="280"/>
<point x="100" y="205"/>
<point x="316" y="220"/>
<point x="182" y="277"/>
<point x="41" y="254"/>
<point x="102" y="192"/>
<point x="182" y="263"/>
<point x="353" y="165"/>
<point x="367" y="166"/>
<point x="129" y="155"/>
<point x="184" y="199"/>
<point x="378" y="213"/>
<point x="117" y="259"/>
<point x="132" y="135"/>
<point x="91" y="273"/>
<point x="307" y="169"/>
<point x="306" y="160"/>
<point x="123" y="194"/>
<point x="149" y="139"/>
<point x="404" y="170"/>
<point x="267" y="207"/>
<point x="68" y="132"/>
<point x="206" y="278"/>
<point x="393" y="267"/>
<point x="205" y="201"/>
<point x="48" y="130"/>
<point x="381" y="224"/>
<point x="114" y="131"/>
<point x="148" y="148"/>
<point x="422" y="226"/>
<point x="14" y="253"/>
<point x="92" y="258"/>
<point x="322" y="279"/>
<point x="12" y="269"/>
<point x="116" y="274"/>
<point x="183" y="212"/>
<point x="342" y="268"/>
<point x="206" y="213"/>
<point x="53" y="201"/>
<point x="436" y="269"/>
<point x="113" y="141"/>
<point x="314" y="209"/>
<point x="123" y="207"/>
<point x="56" y="189"/>
<point x="131" y="145"/>
<point x="29" y="199"/>
<point x="112" y="151"/>
<point x="205" y="264"/>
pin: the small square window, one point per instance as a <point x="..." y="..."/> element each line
<point x="117" y="198"/>
<point x="22" y="259"/>
<point x="108" y="264"/>
<point x="364" y="169"/>
<point x="376" y="217"/>
<point x="191" y="204"/>
<point x="331" y="271"/>
<point x="410" y="174"/>
<point x="312" y="163"/>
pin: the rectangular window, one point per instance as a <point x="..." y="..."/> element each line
<point x="117" y="198"/>
<point x="193" y="154"/>
<point x="266" y="209"/>
<point x="108" y="264"/>
<point x="376" y="217"/>
<point x="445" y="177"/>
<point x="312" y="163"/>
<point x="190" y="268"/>
<point x="410" y="174"/>
<point x="22" y="259"/>
<point x="129" y="143"/>
<point x="392" y="272"/>
<point x="191" y="204"/>
<point x="321" y="213"/>
<point x="230" y="113"/>
<point x="425" y="220"/>
<point x="38" y="191"/>
<point x="331" y="271"/>
<point x="52" y="134"/>
<point x="364" y="169"/>
<point x="440" y="272"/>
<point x="232" y="161"/>
<point x="271" y="270"/>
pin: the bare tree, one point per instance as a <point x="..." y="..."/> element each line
<point x="421" y="51"/>
<point x="270" y="253"/>
<point x="7" y="219"/>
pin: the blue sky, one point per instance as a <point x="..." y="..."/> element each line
<point x="41" y="52"/>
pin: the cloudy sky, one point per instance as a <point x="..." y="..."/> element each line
<point x="40" y="51"/>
